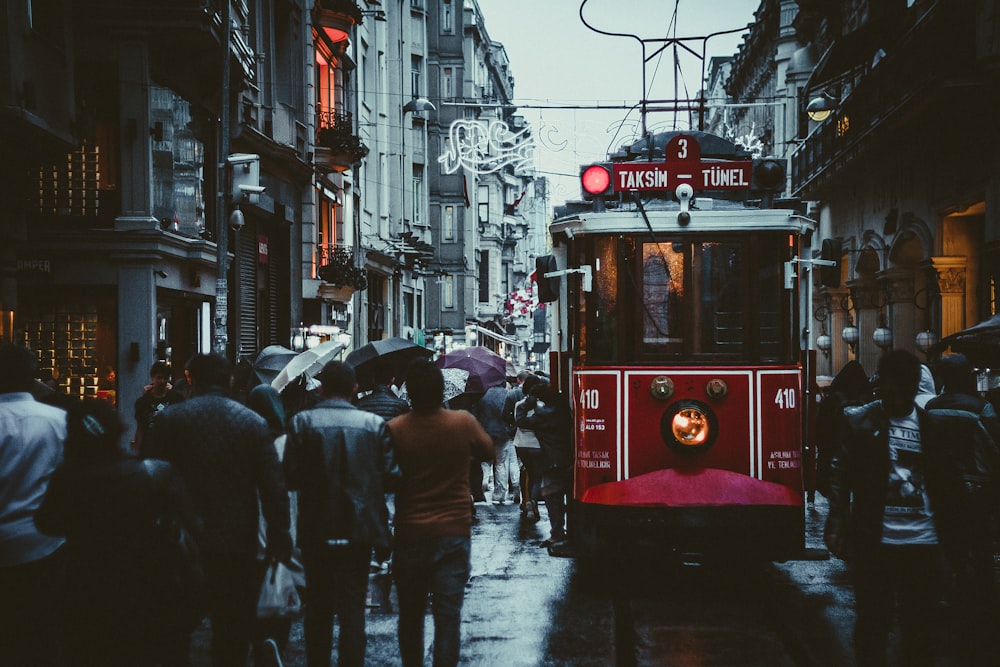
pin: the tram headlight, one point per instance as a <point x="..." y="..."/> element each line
<point x="689" y="426"/>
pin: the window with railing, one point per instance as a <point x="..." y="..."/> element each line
<point x="329" y="232"/>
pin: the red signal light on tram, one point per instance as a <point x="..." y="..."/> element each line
<point x="596" y="180"/>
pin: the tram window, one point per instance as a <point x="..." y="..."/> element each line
<point x="662" y="293"/>
<point x="601" y="342"/>
<point x="720" y="284"/>
<point x="770" y="295"/>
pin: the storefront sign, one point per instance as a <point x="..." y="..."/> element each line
<point x="261" y="249"/>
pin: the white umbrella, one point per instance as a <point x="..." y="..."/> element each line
<point x="454" y="383"/>
<point x="309" y="363"/>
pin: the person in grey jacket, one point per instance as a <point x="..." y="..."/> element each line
<point x="339" y="458"/>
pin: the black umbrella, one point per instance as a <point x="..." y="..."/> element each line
<point x="980" y="342"/>
<point x="396" y="352"/>
<point x="270" y="361"/>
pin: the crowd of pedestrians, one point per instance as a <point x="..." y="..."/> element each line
<point x="913" y="507"/>
<point x="113" y="554"/>
<point x="906" y="459"/>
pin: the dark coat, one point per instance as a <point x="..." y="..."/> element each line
<point x="490" y="413"/>
<point x="384" y="403"/>
<point x="320" y="440"/>
<point x="552" y="424"/>
<point x="859" y="481"/>
<point x="226" y="455"/>
<point x="119" y="605"/>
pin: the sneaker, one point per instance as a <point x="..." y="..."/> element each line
<point x="554" y="542"/>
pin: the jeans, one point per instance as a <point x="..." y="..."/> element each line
<point x="506" y="471"/>
<point x="336" y="582"/>
<point x="439" y="568"/>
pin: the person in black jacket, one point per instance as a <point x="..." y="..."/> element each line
<point x="894" y="492"/>
<point x="850" y="388"/>
<point x="226" y="455"/>
<point x="973" y="434"/>
<point x="119" y="607"/>
<point x="382" y="401"/>
<point x="546" y="412"/>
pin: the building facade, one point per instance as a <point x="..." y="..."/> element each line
<point x="185" y="176"/>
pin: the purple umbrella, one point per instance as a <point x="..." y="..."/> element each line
<point x="486" y="368"/>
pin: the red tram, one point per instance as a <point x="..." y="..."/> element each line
<point x="676" y="294"/>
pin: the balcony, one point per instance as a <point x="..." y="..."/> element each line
<point x="916" y="78"/>
<point x="338" y="148"/>
<point x="337" y="18"/>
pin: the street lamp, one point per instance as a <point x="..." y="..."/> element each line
<point x="850" y="334"/>
<point x="820" y="108"/>
<point x="416" y="105"/>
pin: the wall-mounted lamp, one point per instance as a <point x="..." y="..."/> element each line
<point x="823" y="342"/>
<point x="820" y="108"/>
<point x="850" y="334"/>
<point x="374" y="14"/>
<point x="418" y="104"/>
<point x="926" y="340"/>
<point x="883" y="337"/>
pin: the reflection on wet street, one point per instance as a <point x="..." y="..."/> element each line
<point x="526" y="607"/>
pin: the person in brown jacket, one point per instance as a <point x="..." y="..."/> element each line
<point x="433" y="515"/>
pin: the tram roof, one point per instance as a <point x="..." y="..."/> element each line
<point x="728" y="219"/>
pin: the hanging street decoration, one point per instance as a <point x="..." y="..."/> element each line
<point x="487" y="148"/>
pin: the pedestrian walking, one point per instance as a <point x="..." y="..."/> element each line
<point x="433" y="515"/>
<point x="850" y="388"/>
<point x="155" y="398"/>
<point x="973" y="433"/>
<point x="339" y="459"/>
<point x="546" y="413"/>
<point x="506" y="471"/>
<point x="225" y="454"/>
<point x="528" y="450"/>
<point x="893" y="488"/>
<point x="271" y="634"/>
<point x="120" y="609"/>
<point x="31" y="447"/>
<point x="382" y="400"/>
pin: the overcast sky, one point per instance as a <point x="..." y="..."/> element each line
<point x="556" y="59"/>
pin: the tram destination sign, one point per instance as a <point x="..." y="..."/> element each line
<point x="699" y="174"/>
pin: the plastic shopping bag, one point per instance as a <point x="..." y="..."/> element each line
<point x="279" y="597"/>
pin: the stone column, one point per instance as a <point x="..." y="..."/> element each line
<point x="951" y="280"/>
<point x="867" y="298"/>
<point x="136" y="150"/>
<point x="897" y="285"/>
<point x="136" y="334"/>
<point x="835" y="323"/>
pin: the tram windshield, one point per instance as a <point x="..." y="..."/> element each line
<point x="699" y="300"/>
